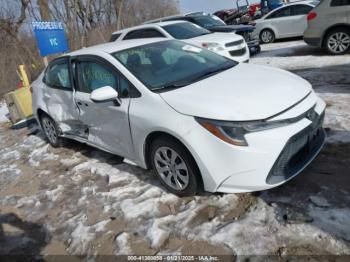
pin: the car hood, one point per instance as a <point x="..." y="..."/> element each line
<point x="231" y="28"/>
<point x="221" y="38"/>
<point x="243" y="93"/>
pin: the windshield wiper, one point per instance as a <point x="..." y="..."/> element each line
<point x="168" y="87"/>
<point x="213" y="72"/>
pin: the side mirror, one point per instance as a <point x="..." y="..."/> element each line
<point x="105" y="94"/>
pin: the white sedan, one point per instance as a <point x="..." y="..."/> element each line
<point x="284" y="22"/>
<point x="230" y="45"/>
<point x="189" y="114"/>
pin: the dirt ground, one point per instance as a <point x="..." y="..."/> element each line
<point x="80" y="201"/>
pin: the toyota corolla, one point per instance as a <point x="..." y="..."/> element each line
<point x="186" y="112"/>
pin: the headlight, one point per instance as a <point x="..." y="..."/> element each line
<point x="213" y="47"/>
<point x="234" y="132"/>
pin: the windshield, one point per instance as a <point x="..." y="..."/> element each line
<point x="185" y="30"/>
<point x="171" y="64"/>
<point x="208" y="21"/>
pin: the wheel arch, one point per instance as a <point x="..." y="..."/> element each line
<point x="331" y="28"/>
<point x="270" y="29"/>
<point x="156" y="134"/>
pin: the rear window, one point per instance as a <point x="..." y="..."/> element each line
<point x="185" y="30"/>
<point x="340" y="2"/>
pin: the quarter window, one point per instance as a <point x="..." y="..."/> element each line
<point x="340" y="2"/>
<point x="57" y="75"/>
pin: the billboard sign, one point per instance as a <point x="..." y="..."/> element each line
<point x="50" y="37"/>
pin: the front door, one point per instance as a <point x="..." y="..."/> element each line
<point x="281" y="20"/>
<point x="107" y="122"/>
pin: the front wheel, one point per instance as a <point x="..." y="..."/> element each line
<point x="267" y="36"/>
<point x="51" y="131"/>
<point x="338" y="41"/>
<point x="175" y="167"/>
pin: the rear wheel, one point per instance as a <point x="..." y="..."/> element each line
<point x="267" y="36"/>
<point x="175" y="167"/>
<point x="51" y="131"/>
<point x="338" y="41"/>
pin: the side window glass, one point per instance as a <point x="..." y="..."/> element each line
<point x="340" y="3"/>
<point x="93" y="75"/>
<point x="281" y="13"/>
<point x="57" y="76"/>
<point x="301" y="9"/>
<point x="114" y="37"/>
<point x="151" y="33"/>
<point x="134" y="35"/>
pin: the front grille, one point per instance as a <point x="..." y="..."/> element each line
<point x="299" y="150"/>
<point x="239" y="42"/>
<point x="238" y="52"/>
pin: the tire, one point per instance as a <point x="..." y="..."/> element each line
<point x="51" y="131"/>
<point x="175" y="167"/>
<point x="337" y="41"/>
<point x="267" y="36"/>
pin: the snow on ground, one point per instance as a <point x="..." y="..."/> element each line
<point x="3" y="112"/>
<point x="90" y="204"/>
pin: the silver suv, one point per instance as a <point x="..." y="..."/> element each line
<point x="329" y="26"/>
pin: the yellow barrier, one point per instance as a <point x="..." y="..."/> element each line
<point x="19" y="102"/>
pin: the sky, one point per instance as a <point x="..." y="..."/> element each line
<point x="209" y="6"/>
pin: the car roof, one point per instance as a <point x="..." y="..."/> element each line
<point x="113" y="47"/>
<point x="303" y="2"/>
<point x="148" y="25"/>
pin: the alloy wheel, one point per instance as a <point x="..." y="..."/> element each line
<point x="338" y="42"/>
<point x="266" y="36"/>
<point x="50" y="130"/>
<point x="171" y="168"/>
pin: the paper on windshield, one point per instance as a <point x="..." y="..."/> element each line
<point x="192" y="49"/>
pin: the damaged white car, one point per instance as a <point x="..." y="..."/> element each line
<point x="186" y="112"/>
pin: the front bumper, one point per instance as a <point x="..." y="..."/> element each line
<point x="234" y="169"/>
<point x="254" y="46"/>
<point x="238" y="53"/>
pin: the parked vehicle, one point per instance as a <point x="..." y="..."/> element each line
<point x="236" y="16"/>
<point x="215" y="24"/>
<point x="231" y="46"/>
<point x="329" y="26"/>
<point x="246" y="12"/>
<point x="284" y="22"/>
<point x="188" y="113"/>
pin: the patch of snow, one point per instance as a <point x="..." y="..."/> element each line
<point x="11" y="155"/>
<point x="3" y="112"/>
<point x="123" y="244"/>
<point x="319" y="201"/>
<point x="41" y="154"/>
<point x="335" y="220"/>
<point x="54" y="194"/>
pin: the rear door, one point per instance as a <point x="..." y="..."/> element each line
<point x="107" y="122"/>
<point x="58" y="94"/>
<point x="300" y="18"/>
<point x="281" y="21"/>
